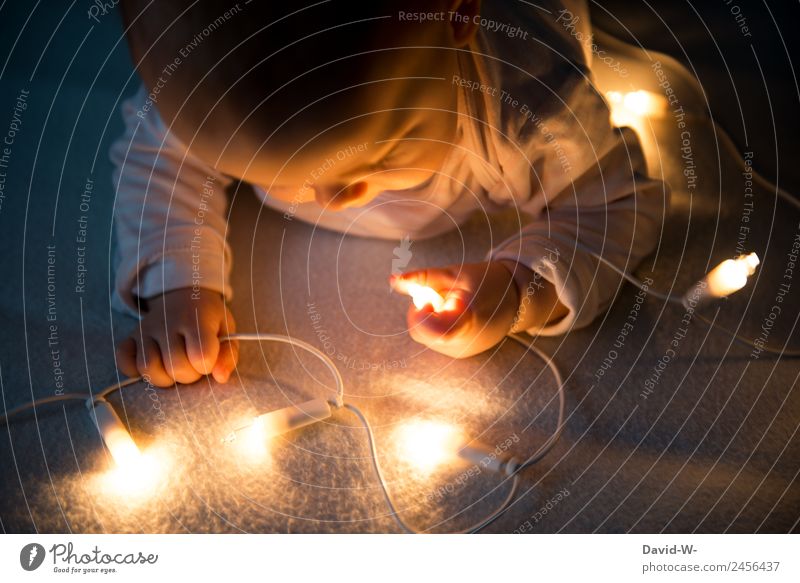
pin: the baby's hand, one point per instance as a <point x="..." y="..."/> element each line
<point x="178" y="339"/>
<point x="480" y="307"/>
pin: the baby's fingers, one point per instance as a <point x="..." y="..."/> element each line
<point x="149" y="362"/>
<point x="202" y="346"/>
<point x="229" y="349"/>
<point x="126" y="358"/>
<point x="176" y="361"/>
<point x="226" y="361"/>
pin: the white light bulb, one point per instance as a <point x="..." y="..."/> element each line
<point x="726" y="278"/>
<point x="731" y="275"/>
<point x="628" y="108"/>
<point x="137" y="479"/>
<point x="135" y="473"/>
<point x="639" y="102"/>
<point x="253" y="440"/>
<point x="428" y="444"/>
<point x="254" y="437"/>
<point x="423" y="295"/>
<point x="115" y="435"/>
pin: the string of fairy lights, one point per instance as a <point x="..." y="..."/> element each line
<point x="427" y="442"/>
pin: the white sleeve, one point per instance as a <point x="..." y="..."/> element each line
<point x="587" y="190"/>
<point x="169" y="213"/>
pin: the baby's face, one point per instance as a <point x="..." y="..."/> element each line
<point x="397" y="141"/>
<point x="367" y="117"/>
<point x="389" y="128"/>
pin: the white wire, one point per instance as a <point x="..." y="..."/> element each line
<point x="388" y="497"/>
<point x="733" y="150"/>
<point x="675" y="299"/>
<point x="679" y="300"/>
<point x="789" y="352"/>
<point x="7" y="415"/>
<point x="4" y="418"/>
<point x="547" y="445"/>
<point x="536" y="456"/>
<point x="766" y="184"/>
<point x="326" y="360"/>
<point x="115" y="387"/>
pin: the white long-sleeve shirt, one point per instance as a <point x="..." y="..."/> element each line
<point x="534" y="134"/>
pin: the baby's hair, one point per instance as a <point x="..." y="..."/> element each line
<point x="196" y="52"/>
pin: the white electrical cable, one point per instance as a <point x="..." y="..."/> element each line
<point x="115" y="387"/>
<point x="667" y="297"/>
<point x="388" y="497"/>
<point x="326" y="360"/>
<point x="675" y="299"/>
<point x="6" y="416"/>
<point x="340" y="403"/>
<point x="541" y="452"/>
<point x="790" y="353"/>
<point x="547" y="445"/>
<point x="535" y="457"/>
<point x="734" y="151"/>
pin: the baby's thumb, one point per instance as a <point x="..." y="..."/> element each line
<point x="228" y="350"/>
<point x="226" y="361"/>
<point x="202" y="348"/>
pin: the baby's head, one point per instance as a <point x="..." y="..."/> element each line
<point x="336" y="101"/>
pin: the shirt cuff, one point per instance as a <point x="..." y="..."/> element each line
<point x="207" y="267"/>
<point x="185" y="269"/>
<point x="571" y="273"/>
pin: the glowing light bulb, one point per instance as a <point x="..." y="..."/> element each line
<point x="115" y="435"/>
<point x="137" y="479"/>
<point x="253" y="438"/>
<point x="135" y="473"/>
<point x="731" y="275"/>
<point x="639" y="102"/>
<point x="423" y="295"/>
<point x="628" y="108"/>
<point x="427" y="444"/>
<point x="726" y="278"/>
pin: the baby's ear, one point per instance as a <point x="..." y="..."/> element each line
<point x="461" y="18"/>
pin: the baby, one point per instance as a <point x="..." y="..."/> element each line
<point x="420" y="112"/>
